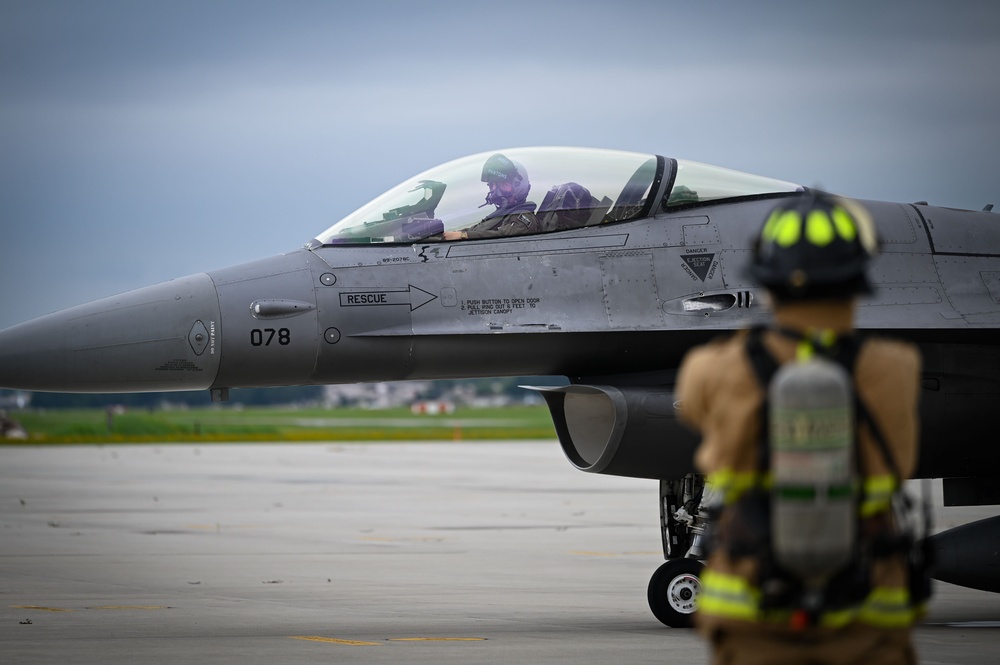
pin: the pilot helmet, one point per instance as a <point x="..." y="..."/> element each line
<point x="815" y="246"/>
<point x="499" y="168"/>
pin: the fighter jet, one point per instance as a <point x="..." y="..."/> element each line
<point x="624" y="263"/>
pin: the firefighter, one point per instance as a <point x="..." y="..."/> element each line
<point x="811" y="256"/>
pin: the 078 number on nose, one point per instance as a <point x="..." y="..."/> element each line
<point x="264" y="337"/>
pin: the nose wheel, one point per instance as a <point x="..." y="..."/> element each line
<point x="673" y="592"/>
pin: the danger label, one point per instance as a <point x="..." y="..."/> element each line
<point x="698" y="265"/>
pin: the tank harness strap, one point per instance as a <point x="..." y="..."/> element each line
<point x="865" y="416"/>
<point x="765" y="367"/>
<point x="845" y="350"/>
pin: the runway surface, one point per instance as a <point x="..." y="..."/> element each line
<point x="369" y="553"/>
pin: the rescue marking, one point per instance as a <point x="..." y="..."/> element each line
<point x="129" y="607"/>
<point x="413" y="296"/>
<point x="40" y="608"/>
<point x="334" y="640"/>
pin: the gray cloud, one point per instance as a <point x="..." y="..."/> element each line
<point x="143" y="140"/>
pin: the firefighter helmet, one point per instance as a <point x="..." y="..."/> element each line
<point x="815" y="246"/>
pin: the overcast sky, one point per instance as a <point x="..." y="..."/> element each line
<point x="142" y="141"/>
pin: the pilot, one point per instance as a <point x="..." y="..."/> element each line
<point x="508" y="191"/>
<point x="811" y="255"/>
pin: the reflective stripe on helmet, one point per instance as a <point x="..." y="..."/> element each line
<point x="785" y="227"/>
<point x="819" y="228"/>
<point x="845" y="224"/>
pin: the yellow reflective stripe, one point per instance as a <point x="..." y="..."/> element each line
<point x="733" y="597"/>
<point x="838" y="618"/>
<point x="878" y="494"/>
<point x="885" y="607"/>
<point x="845" y="224"/>
<point x="888" y="607"/>
<point x="881" y="484"/>
<point x="728" y="596"/>
<point x="771" y="226"/>
<point x="732" y="484"/>
<point x="826" y="336"/>
<point x="788" y="229"/>
<point x="783" y="227"/>
<point x="872" y="507"/>
<point x="819" y="228"/>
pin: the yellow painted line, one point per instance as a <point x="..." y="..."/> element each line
<point x="42" y="609"/>
<point x="437" y="639"/>
<point x="586" y="553"/>
<point x="582" y="553"/>
<point x="129" y="607"/>
<point x="387" y="539"/>
<point x="333" y="640"/>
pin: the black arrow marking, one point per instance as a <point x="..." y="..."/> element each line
<point x="413" y="296"/>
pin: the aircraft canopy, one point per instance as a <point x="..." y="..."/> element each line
<point x="570" y="188"/>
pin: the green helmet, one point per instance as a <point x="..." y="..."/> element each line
<point x="815" y="246"/>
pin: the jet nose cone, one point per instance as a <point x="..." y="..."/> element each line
<point x="160" y="337"/>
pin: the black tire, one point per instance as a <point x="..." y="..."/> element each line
<point x="673" y="592"/>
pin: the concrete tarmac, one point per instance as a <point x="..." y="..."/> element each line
<point x="370" y="553"/>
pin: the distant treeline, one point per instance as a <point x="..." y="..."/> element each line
<point x="302" y="395"/>
<point x="247" y="396"/>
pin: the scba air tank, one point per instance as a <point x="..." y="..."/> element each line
<point x="811" y="438"/>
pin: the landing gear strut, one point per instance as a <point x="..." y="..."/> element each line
<point x="673" y="589"/>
